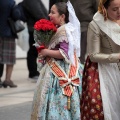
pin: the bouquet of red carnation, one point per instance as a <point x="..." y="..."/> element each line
<point x="43" y="32"/>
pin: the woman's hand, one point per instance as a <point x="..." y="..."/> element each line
<point x="43" y="53"/>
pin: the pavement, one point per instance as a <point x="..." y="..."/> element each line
<point x="15" y="103"/>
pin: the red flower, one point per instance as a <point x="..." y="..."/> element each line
<point x="43" y="31"/>
<point x="44" y="25"/>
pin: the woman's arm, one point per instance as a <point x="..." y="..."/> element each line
<point x="60" y="53"/>
<point x="94" y="47"/>
<point x="51" y="53"/>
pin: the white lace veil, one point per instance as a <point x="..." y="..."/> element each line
<point x="73" y="33"/>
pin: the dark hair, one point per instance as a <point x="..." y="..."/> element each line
<point x="62" y="9"/>
<point x="107" y="3"/>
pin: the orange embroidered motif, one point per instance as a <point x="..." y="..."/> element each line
<point x="66" y="81"/>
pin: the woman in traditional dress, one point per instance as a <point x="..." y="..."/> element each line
<point x="58" y="90"/>
<point x="101" y="77"/>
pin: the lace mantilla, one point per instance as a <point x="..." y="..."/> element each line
<point x="73" y="33"/>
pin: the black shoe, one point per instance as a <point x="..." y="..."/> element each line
<point x="32" y="74"/>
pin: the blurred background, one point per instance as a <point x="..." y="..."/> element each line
<point x="20" y="53"/>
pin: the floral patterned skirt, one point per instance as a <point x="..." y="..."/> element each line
<point x="49" y="102"/>
<point x="91" y="102"/>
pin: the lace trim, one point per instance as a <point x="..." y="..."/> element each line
<point x="60" y="36"/>
<point x="44" y="85"/>
<point x="112" y="29"/>
<point x="64" y="55"/>
<point x="57" y="41"/>
<point x="42" y="88"/>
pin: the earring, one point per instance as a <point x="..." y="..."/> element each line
<point x="62" y="23"/>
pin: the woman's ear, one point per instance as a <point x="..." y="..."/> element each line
<point x="63" y="16"/>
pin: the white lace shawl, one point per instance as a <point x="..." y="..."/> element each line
<point x="73" y="33"/>
<point x="112" y="29"/>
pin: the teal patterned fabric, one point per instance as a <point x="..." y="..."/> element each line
<point x="49" y="103"/>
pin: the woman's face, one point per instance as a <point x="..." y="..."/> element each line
<point x="114" y="10"/>
<point x="55" y="17"/>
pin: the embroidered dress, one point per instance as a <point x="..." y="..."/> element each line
<point x="58" y="90"/>
<point x="101" y="82"/>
